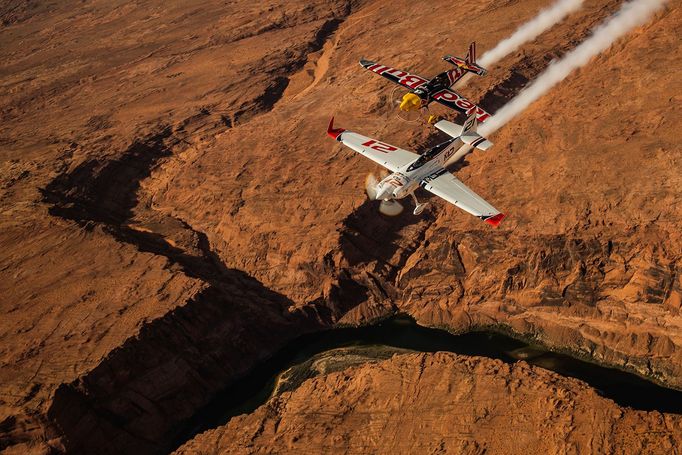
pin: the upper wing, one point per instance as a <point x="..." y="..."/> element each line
<point x="389" y="156"/>
<point x="401" y="77"/>
<point x="447" y="186"/>
<point x="455" y="101"/>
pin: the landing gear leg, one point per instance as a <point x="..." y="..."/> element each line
<point x="431" y="119"/>
<point x="418" y="206"/>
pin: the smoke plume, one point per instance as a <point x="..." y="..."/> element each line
<point x="530" y="30"/>
<point x="631" y="14"/>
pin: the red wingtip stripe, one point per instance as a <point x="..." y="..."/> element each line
<point x="334" y="133"/>
<point x="495" y="221"/>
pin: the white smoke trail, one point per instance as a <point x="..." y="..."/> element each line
<point x="631" y="14"/>
<point x="530" y="30"/>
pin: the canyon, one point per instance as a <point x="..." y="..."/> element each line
<point x="172" y="214"/>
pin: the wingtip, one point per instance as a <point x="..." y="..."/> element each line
<point x="334" y="133"/>
<point x="495" y="221"/>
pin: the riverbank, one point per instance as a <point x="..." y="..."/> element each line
<point x="442" y="403"/>
<point x="348" y="347"/>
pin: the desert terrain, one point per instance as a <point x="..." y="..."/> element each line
<point x="172" y="213"/>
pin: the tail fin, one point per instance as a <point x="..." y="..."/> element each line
<point x="467" y="133"/>
<point x="471" y="55"/>
<point x="467" y="63"/>
<point x="471" y="137"/>
<point x="470" y="125"/>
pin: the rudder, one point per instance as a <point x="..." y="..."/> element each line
<point x="471" y="54"/>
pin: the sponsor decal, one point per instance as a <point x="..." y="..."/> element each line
<point x="481" y="115"/>
<point x="398" y="74"/>
<point x="448" y="153"/>
<point x="412" y="81"/>
<point x="380" y="146"/>
<point x="461" y="103"/>
<point x="402" y="77"/>
<point x="454" y="75"/>
<point x="468" y="124"/>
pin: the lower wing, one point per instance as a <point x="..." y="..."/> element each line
<point x="455" y="101"/>
<point x="411" y="81"/>
<point x="450" y="188"/>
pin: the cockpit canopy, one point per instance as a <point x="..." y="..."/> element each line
<point x="429" y="155"/>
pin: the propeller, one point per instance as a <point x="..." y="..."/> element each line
<point x="396" y="98"/>
<point x="389" y="207"/>
<point x="371" y="183"/>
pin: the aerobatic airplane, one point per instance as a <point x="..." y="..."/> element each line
<point x="410" y="170"/>
<point x="423" y="91"/>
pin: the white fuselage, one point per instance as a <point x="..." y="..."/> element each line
<point x="403" y="182"/>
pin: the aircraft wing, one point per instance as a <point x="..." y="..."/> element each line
<point x="444" y="184"/>
<point x="455" y="101"/>
<point x="401" y="77"/>
<point x="389" y="156"/>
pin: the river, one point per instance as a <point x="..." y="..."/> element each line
<point x="402" y="332"/>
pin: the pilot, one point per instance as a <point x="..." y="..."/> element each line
<point x="439" y="82"/>
<point x="427" y="90"/>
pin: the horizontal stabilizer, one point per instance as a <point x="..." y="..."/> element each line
<point x="467" y="63"/>
<point x="476" y="140"/>
<point x="469" y="137"/>
<point x="470" y="67"/>
<point x="449" y="128"/>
